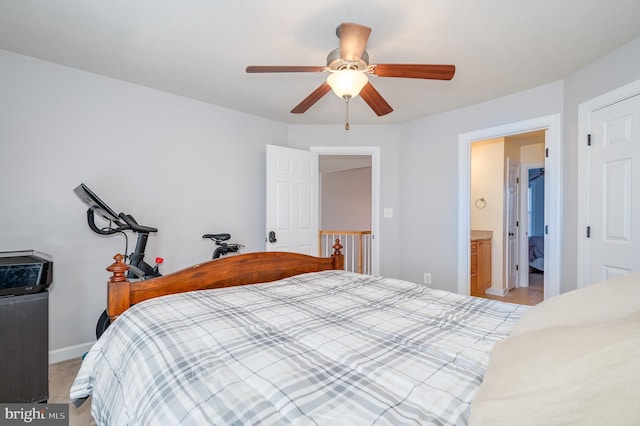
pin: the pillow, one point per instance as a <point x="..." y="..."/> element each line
<point x="604" y="301"/>
<point x="586" y="375"/>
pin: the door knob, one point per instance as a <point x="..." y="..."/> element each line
<point x="272" y="237"/>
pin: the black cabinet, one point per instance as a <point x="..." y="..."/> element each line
<point x="24" y="348"/>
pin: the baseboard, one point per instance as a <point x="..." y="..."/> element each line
<point x="70" y="352"/>
<point x="496" y="291"/>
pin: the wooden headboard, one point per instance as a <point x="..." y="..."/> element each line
<point x="243" y="269"/>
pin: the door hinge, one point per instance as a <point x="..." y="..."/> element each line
<point x="546" y="152"/>
<point x="517" y="180"/>
<point x="546" y="229"/>
<point x="517" y="223"/>
<point x="589" y="139"/>
<point x="588" y="232"/>
<point x="517" y="267"/>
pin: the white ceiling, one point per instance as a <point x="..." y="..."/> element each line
<point x="200" y="48"/>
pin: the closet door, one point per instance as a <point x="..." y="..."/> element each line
<point x="613" y="207"/>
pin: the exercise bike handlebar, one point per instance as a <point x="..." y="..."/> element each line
<point x="102" y="231"/>
<point x="128" y="223"/>
<point x="134" y="226"/>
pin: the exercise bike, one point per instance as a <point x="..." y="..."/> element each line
<point x="119" y="223"/>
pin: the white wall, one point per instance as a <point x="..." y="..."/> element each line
<point x="533" y="153"/>
<point x="429" y="178"/>
<point x="346" y="200"/>
<point x="182" y="166"/>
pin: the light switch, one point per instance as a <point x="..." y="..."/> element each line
<point x="388" y="213"/>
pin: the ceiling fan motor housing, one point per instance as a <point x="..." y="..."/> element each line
<point x="336" y="63"/>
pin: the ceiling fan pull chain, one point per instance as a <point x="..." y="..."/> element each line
<point x="346" y="101"/>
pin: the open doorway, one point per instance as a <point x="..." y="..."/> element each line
<point x="345" y="192"/>
<point x="500" y="214"/>
<point x="533" y="221"/>
<point x="353" y="200"/>
<point x="550" y="125"/>
<point x="345" y="208"/>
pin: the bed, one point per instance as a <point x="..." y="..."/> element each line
<point x="326" y="346"/>
<point x="536" y="252"/>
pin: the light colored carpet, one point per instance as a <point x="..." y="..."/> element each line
<point x="536" y="280"/>
<point x="61" y="377"/>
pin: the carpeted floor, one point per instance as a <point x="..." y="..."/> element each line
<point x="536" y="279"/>
<point x="61" y="377"/>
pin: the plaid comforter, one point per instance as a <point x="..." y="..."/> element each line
<point x="330" y="347"/>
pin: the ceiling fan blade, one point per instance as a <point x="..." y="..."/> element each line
<point x="353" y="40"/>
<point x="283" y="68"/>
<point x="431" y="72"/>
<point x="375" y="100"/>
<point x="310" y="100"/>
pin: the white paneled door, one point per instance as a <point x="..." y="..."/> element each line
<point x="292" y="200"/>
<point x="512" y="234"/>
<point x="613" y="213"/>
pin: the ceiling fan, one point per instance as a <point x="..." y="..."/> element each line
<point x="349" y="68"/>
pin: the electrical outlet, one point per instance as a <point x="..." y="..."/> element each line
<point x="427" y="278"/>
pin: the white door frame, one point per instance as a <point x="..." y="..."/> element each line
<point x="524" y="220"/>
<point x="584" y="127"/>
<point x="374" y="152"/>
<point x="553" y="195"/>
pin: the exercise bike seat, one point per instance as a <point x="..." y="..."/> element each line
<point x="217" y="237"/>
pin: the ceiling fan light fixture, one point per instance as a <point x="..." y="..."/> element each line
<point x="347" y="83"/>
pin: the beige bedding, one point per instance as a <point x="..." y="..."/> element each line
<point x="572" y="360"/>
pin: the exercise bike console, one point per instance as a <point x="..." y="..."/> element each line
<point x="119" y="223"/>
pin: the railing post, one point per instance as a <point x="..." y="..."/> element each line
<point x="360" y="253"/>
<point x="338" y="257"/>
<point x="348" y="238"/>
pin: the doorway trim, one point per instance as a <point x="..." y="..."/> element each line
<point x="553" y="195"/>
<point x="374" y="152"/>
<point x="584" y="127"/>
